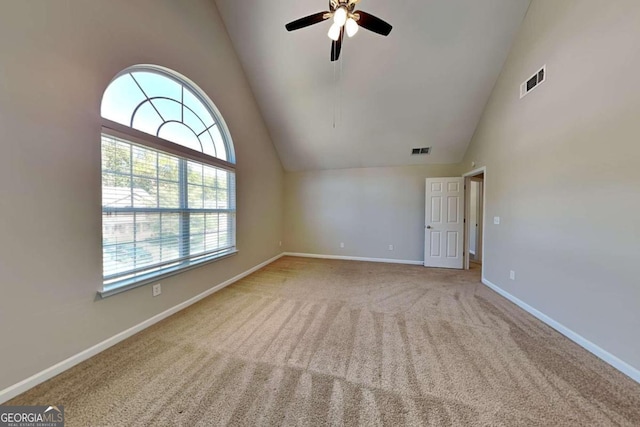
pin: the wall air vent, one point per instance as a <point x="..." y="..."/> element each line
<point x="533" y="82"/>
<point x="418" y="151"/>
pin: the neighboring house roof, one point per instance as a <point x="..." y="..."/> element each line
<point x="123" y="197"/>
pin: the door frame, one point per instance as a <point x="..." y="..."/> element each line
<point x="480" y="230"/>
<point x="467" y="224"/>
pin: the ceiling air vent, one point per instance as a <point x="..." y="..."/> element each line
<point x="418" y="151"/>
<point x="533" y="82"/>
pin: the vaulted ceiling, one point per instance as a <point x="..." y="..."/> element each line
<point x="423" y="86"/>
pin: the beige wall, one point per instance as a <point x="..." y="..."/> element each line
<point x="563" y="172"/>
<point x="368" y="209"/>
<point x="56" y="59"/>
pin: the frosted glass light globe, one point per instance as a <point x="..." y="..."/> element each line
<point x="334" y="32"/>
<point x="340" y="16"/>
<point x="351" y="27"/>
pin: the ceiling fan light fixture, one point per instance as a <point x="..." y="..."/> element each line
<point x="345" y="20"/>
<point x="352" y="27"/>
<point x="340" y="16"/>
<point x="334" y="32"/>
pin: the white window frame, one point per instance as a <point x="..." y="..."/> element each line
<point x="137" y="137"/>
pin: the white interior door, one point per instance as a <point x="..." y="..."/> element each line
<point x="444" y="223"/>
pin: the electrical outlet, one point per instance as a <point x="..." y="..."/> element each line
<point x="390" y="247"/>
<point x="280" y="244"/>
<point x="157" y="289"/>
<point x="496" y="220"/>
<point x="512" y="275"/>
<point x="342" y="244"/>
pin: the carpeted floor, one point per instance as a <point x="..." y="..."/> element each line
<point x="320" y="342"/>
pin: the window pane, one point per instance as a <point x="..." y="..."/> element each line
<point x="146" y="119"/>
<point x="120" y="99"/>
<point x="181" y="135"/>
<point x="211" y="222"/>
<point x="193" y="121"/>
<point x="197" y="223"/>
<point x="168" y="167"/>
<point x="170" y="237"/>
<point x="209" y="176"/>
<point x="154" y="84"/>
<point x="116" y="156"/>
<point x="169" y="110"/>
<point x="169" y="194"/>
<point x="223" y="222"/>
<point x="210" y="200"/>
<point x="197" y="244"/>
<point x="207" y="144"/>
<point x="195" y="197"/>
<point x="224" y="240"/>
<point x="144" y="162"/>
<point x="145" y="193"/>
<point x="170" y="225"/>
<point x="198" y="108"/>
<point x="222" y="199"/>
<point x="223" y="179"/>
<point x="195" y="172"/>
<point x="211" y="242"/>
<point x="218" y="142"/>
<point x="117" y="232"/>
<point x="147" y="225"/>
<point x="116" y="191"/>
<point x="231" y="190"/>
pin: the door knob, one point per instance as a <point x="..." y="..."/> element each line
<point x="428" y="226"/>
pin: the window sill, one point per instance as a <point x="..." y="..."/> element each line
<point x="128" y="284"/>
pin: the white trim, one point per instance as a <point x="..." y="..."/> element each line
<point x="354" y="258"/>
<point x="475" y="172"/>
<point x="24" y="385"/>
<point x="467" y="180"/>
<point x="609" y="358"/>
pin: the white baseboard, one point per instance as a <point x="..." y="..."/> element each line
<point x="354" y="258"/>
<point x="19" y="388"/>
<point x="609" y="358"/>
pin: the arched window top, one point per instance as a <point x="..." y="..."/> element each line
<point x="159" y="102"/>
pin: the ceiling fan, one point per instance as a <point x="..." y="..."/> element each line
<point x="344" y="18"/>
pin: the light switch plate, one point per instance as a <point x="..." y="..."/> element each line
<point x="496" y="220"/>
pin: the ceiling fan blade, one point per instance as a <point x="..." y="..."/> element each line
<point x="306" y="21"/>
<point x="336" y="47"/>
<point x="373" y="23"/>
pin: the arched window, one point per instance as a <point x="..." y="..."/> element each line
<point x="168" y="178"/>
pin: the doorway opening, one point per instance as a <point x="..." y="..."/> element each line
<point x="475" y="190"/>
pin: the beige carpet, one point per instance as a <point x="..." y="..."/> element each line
<point x="318" y="342"/>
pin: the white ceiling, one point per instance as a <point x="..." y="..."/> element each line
<point x="423" y="86"/>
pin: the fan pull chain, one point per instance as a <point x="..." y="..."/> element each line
<point x="335" y="94"/>
<point x="340" y="94"/>
<point x="337" y="84"/>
